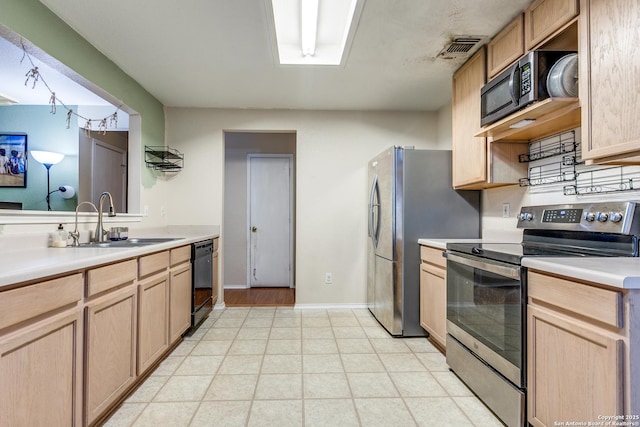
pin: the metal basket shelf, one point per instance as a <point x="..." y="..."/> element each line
<point x="550" y="147"/>
<point x="602" y="181"/>
<point x="551" y="173"/>
<point x="163" y="158"/>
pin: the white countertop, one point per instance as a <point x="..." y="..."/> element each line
<point x="617" y="272"/>
<point x="29" y="263"/>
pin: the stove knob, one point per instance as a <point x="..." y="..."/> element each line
<point x="525" y="216"/>
<point x="589" y="216"/>
<point x="602" y="216"/>
<point x="615" y="216"/>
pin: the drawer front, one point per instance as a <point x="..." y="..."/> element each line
<point x="595" y="303"/>
<point x="433" y="256"/>
<point x="110" y="276"/>
<point x="180" y="255"/>
<point x="153" y="263"/>
<point x="18" y="305"/>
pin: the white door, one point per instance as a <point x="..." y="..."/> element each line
<point x="109" y="174"/>
<point x="270" y="226"/>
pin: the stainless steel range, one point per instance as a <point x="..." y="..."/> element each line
<point x="487" y="293"/>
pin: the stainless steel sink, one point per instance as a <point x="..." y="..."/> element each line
<point x="129" y="243"/>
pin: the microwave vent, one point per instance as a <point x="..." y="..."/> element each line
<point x="461" y="47"/>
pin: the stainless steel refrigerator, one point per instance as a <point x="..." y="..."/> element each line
<point x="410" y="197"/>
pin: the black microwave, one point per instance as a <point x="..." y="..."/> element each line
<point x="518" y="86"/>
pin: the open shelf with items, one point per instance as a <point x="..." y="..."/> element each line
<point x="163" y="158"/>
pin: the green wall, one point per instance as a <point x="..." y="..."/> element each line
<point x="46" y="132"/>
<point x="33" y="21"/>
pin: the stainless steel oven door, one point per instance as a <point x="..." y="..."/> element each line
<point x="485" y="311"/>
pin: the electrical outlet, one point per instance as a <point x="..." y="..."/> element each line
<point x="328" y="278"/>
<point x="145" y="210"/>
<point x="505" y="210"/>
<point x="162" y="211"/>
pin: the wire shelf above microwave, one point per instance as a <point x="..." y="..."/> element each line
<point x="163" y="158"/>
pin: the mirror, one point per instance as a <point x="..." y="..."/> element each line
<point x="93" y="161"/>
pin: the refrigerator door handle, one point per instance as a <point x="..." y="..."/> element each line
<point x="374" y="212"/>
<point x="371" y="192"/>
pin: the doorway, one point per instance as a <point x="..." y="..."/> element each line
<point x="249" y="274"/>
<point x="103" y="167"/>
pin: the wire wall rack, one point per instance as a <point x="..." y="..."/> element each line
<point x="562" y="148"/>
<point x="552" y="146"/>
<point x="163" y="158"/>
<point x="551" y="173"/>
<point x="606" y="180"/>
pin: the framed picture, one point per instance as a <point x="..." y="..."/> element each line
<point x="13" y="159"/>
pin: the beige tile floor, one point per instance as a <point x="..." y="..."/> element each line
<point x="286" y="367"/>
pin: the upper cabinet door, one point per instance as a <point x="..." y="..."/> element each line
<point x="544" y="17"/>
<point x="469" y="152"/>
<point x="609" y="68"/>
<point x="506" y="47"/>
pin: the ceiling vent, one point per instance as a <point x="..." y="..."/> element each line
<point x="461" y="47"/>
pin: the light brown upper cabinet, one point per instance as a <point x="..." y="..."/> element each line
<point x="478" y="164"/>
<point x="544" y="17"/>
<point x="506" y="47"/>
<point x="608" y="84"/>
<point x="469" y="152"/>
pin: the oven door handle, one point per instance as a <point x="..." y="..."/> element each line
<point x="499" y="269"/>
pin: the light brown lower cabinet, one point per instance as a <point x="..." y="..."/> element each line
<point x="179" y="292"/>
<point x="41" y="356"/>
<point x="576" y="351"/>
<point x="180" y="301"/>
<point x="153" y="320"/>
<point x="433" y="294"/>
<point x="110" y="346"/>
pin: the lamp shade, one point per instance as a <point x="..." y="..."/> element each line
<point x="47" y="157"/>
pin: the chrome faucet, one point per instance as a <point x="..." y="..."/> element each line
<point x="100" y="231"/>
<point x="75" y="234"/>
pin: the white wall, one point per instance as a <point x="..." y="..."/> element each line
<point x="333" y="149"/>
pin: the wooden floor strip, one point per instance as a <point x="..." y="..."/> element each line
<point x="256" y="297"/>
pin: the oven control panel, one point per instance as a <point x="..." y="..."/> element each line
<point x="611" y="217"/>
<point x="570" y="216"/>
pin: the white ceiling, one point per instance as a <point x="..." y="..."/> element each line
<point x="220" y="53"/>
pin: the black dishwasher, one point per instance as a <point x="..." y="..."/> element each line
<point x="202" y="283"/>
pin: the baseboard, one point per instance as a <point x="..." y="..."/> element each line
<point x="236" y="286"/>
<point x="329" y="306"/>
<point x="219" y="306"/>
